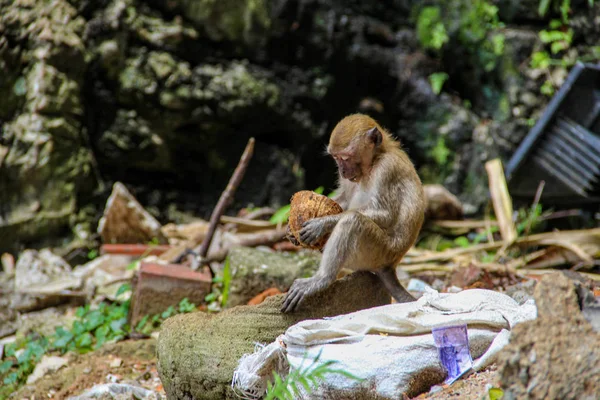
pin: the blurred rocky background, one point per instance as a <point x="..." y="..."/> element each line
<point x="162" y="95"/>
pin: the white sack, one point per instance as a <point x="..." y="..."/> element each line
<point x="390" y="347"/>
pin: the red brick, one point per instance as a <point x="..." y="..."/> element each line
<point x="157" y="287"/>
<point x="134" y="249"/>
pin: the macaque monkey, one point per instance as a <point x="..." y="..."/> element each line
<point x="384" y="206"/>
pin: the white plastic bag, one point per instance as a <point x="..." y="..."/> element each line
<point x="390" y="347"/>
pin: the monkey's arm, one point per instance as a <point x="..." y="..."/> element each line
<point x="313" y="229"/>
<point x="383" y="218"/>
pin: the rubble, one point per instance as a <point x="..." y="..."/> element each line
<point x="126" y="221"/>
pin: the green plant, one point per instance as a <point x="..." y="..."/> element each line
<point x="93" y="253"/>
<point x="440" y="152"/>
<point x="20" y="359"/>
<point x="217" y="298"/>
<point x="473" y="24"/>
<point x="556" y="41"/>
<point x="437" y="81"/>
<point x="495" y="393"/>
<point x="430" y="28"/>
<point x="308" y="378"/>
<point x="94" y="326"/>
<point x="148" y="323"/>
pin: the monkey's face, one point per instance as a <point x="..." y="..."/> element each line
<point x="352" y="145"/>
<point x="348" y="166"/>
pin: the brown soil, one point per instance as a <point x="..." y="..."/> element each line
<point x="138" y="367"/>
<point x="474" y="386"/>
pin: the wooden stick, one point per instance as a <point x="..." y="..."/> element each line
<point x="501" y="200"/>
<point x="536" y="201"/>
<point x="224" y="201"/>
<point x="227" y="196"/>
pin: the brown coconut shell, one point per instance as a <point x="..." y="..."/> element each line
<point x="306" y="205"/>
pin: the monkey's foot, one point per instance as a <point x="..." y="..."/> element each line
<point x="300" y="290"/>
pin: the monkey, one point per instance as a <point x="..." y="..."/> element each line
<point x="384" y="207"/>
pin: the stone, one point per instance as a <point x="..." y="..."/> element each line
<point x="198" y="352"/>
<point x="47" y="364"/>
<point x="126" y="221"/>
<point x="441" y="204"/>
<point x="36" y="269"/>
<point x="557" y="355"/>
<point x="116" y="391"/>
<point x="254" y="271"/>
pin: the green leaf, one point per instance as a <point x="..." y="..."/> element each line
<point x="430" y="28"/>
<point x="63" y="337"/>
<point x="495" y="393"/>
<point x="118" y="325"/>
<point x="5" y="366"/>
<point x="209" y="298"/>
<point x="540" y="59"/>
<point x="80" y="312"/>
<point x="437" y="81"/>
<point x="126" y="287"/>
<point x="498" y="44"/>
<point x="11" y="378"/>
<point x="543" y="7"/>
<point x="185" y="306"/>
<point x="93" y="253"/>
<point x="132" y="265"/>
<point x="168" y="312"/>
<point x="84" y="341"/>
<point x="462" y="241"/>
<point x="93" y="320"/>
<point x="280" y="216"/>
<point x="142" y="323"/>
<point x="10" y="349"/>
<point x="547" y="88"/>
<point x="226" y="282"/>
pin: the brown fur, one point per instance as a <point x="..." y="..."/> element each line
<point x="384" y="208"/>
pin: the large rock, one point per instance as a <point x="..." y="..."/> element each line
<point x="254" y="270"/>
<point x="197" y="353"/>
<point x="556" y="356"/>
<point x="44" y="160"/>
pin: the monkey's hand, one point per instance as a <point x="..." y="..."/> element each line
<point x="300" y="290"/>
<point x="314" y="229"/>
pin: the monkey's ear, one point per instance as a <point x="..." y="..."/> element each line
<point x="374" y="135"/>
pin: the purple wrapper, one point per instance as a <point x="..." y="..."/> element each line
<point x="452" y="343"/>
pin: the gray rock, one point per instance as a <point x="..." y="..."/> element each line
<point x="254" y="270"/>
<point x="198" y="352"/>
<point x="118" y="391"/>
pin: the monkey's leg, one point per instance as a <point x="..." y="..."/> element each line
<point x="391" y="283"/>
<point x="355" y="241"/>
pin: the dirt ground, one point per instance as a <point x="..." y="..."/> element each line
<point x="137" y="366"/>
<point x="474" y="386"/>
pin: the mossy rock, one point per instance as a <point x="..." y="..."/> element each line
<point x="255" y="270"/>
<point x="198" y="352"/>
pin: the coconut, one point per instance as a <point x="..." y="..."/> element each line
<point x="306" y="205"/>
